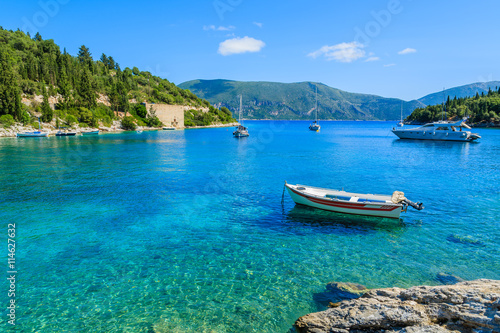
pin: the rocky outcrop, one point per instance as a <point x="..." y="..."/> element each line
<point x="465" y="307"/>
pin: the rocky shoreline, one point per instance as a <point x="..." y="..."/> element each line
<point x="10" y="132"/>
<point x="464" y="307"/>
<point x="213" y="126"/>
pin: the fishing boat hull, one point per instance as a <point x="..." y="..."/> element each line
<point x="66" y="134"/>
<point x="344" y="202"/>
<point x="32" y="135"/>
<point x="169" y="128"/>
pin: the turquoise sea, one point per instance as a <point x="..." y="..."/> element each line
<point x="185" y="231"/>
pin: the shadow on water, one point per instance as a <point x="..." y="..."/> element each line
<point x="303" y="220"/>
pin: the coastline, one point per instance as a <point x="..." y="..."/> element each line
<point x="11" y="131"/>
<point x="212" y="126"/>
<point x="456" y="307"/>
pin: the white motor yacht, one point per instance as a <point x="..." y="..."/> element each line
<point x="440" y="130"/>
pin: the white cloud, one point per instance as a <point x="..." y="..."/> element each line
<point x="240" y="45"/>
<point x="389" y="65"/>
<point x="219" y="28"/>
<point x="408" y="50"/>
<point x="343" y="52"/>
<point x="258" y="24"/>
<point x="372" y="59"/>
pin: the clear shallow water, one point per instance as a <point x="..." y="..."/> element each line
<point x="185" y="232"/>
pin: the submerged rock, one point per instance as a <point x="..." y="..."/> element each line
<point x="339" y="291"/>
<point x="467" y="240"/>
<point x="464" y="307"/>
<point x="446" y="278"/>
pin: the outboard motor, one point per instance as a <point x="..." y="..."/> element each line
<point x="417" y="206"/>
<point x="399" y="197"/>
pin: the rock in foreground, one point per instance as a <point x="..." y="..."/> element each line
<point x="472" y="306"/>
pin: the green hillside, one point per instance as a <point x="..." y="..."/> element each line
<point x="468" y="90"/>
<point x="481" y="108"/>
<point x="272" y="100"/>
<point x="85" y="90"/>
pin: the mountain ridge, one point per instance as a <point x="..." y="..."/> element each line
<point x="276" y="100"/>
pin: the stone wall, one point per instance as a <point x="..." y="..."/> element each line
<point x="170" y="115"/>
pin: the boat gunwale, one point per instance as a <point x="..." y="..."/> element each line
<point x="354" y="203"/>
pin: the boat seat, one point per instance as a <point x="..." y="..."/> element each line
<point x="354" y="199"/>
<point x="331" y="196"/>
<point x="370" y="200"/>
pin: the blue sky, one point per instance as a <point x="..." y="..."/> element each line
<point x="393" y="48"/>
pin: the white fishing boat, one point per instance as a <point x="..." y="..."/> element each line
<point x="440" y="130"/>
<point x="241" y="131"/>
<point x="389" y="206"/>
<point x="315" y="124"/>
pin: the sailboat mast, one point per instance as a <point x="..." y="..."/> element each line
<point x="442" y="108"/>
<point x="316" y="107"/>
<point x="241" y="104"/>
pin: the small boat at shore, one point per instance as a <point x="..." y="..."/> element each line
<point x="169" y="128"/>
<point x="378" y="205"/>
<point x="61" y="133"/>
<point x="36" y="134"/>
<point x="90" y="132"/>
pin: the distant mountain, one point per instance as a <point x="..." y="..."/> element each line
<point x="468" y="90"/>
<point x="273" y="100"/>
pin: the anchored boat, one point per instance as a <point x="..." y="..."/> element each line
<point x="65" y="133"/>
<point x="241" y="131"/>
<point x="439" y="131"/>
<point x="351" y="203"/>
<point x="315" y="124"/>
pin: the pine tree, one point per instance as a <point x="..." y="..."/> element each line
<point x="47" y="113"/>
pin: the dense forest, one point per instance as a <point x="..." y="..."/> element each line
<point x="81" y="86"/>
<point x="484" y="108"/>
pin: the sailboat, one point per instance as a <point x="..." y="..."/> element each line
<point x="401" y="122"/>
<point x="241" y="131"/>
<point x="36" y="134"/>
<point x="315" y="124"/>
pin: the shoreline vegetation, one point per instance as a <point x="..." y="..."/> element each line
<point x="483" y="110"/>
<point x="39" y="81"/>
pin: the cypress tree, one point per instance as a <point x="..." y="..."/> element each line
<point x="10" y="95"/>
<point x="47" y="113"/>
